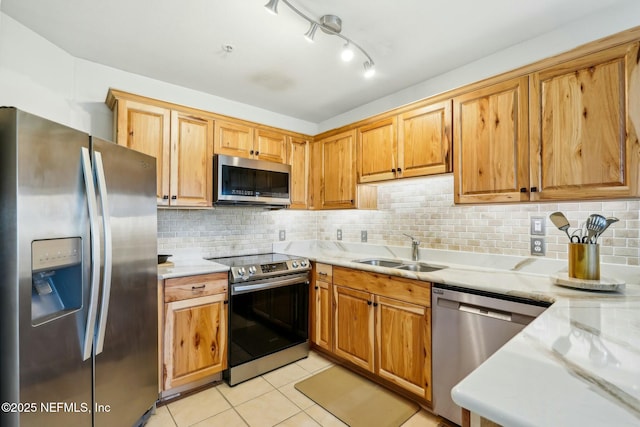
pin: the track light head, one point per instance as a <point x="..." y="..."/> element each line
<point x="347" y="53"/>
<point x="272" y="7"/>
<point x="369" y="69"/>
<point x="309" y="35"/>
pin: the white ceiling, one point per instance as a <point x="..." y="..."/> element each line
<point x="272" y="66"/>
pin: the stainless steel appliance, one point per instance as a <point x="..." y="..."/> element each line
<point x="239" y="181"/>
<point x="78" y="298"/>
<point x="268" y="313"/>
<point x="468" y="327"/>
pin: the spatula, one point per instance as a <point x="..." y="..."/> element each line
<point x="559" y="220"/>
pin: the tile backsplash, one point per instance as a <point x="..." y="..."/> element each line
<point x="420" y="207"/>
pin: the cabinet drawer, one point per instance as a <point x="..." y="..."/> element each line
<point x="324" y="272"/>
<point x="399" y="288"/>
<point x="182" y="288"/>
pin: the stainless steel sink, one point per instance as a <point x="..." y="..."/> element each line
<point x="400" y="265"/>
<point x="380" y="262"/>
<point x="419" y="267"/>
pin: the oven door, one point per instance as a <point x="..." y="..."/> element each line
<point x="267" y="316"/>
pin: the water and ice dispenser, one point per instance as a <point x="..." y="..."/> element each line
<point x="56" y="278"/>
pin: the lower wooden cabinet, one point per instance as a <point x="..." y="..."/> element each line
<point x="381" y="324"/>
<point x="353" y="332"/>
<point x="194" y="335"/>
<point x="403" y="334"/>
<point x="322" y="307"/>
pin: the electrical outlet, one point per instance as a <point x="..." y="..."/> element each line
<point x="283" y="235"/>
<point x="537" y="226"/>
<point x="537" y="246"/>
<point x="339" y="234"/>
<point x="363" y="236"/>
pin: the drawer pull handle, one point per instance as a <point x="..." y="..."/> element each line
<point x="197" y="288"/>
<point x="320" y="273"/>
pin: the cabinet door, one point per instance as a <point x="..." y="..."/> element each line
<point x="191" y="160"/>
<point x="377" y="151"/>
<point x="353" y="326"/>
<point x="403" y="334"/>
<point x="270" y="146"/>
<point x="338" y="180"/>
<point x="299" y="161"/>
<point x="233" y="139"/>
<point x="491" y="144"/>
<point x="146" y="128"/>
<point x="582" y="135"/>
<point x="424" y="140"/>
<point x="323" y="303"/>
<point x="195" y="344"/>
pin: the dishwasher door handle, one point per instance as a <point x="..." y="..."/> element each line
<point x="506" y="316"/>
<point x="484" y="311"/>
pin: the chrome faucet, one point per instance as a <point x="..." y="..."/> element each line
<point x="415" y="244"/>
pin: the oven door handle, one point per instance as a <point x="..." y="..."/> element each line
<point x="260" y="285"/>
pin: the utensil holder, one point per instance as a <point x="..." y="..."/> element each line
<point x="584" y="261"/>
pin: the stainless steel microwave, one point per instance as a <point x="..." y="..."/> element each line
<point x="247" y="182"/>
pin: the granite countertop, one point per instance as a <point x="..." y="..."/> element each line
<point x="577" y="364"/>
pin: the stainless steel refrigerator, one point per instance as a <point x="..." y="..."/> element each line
<point x="78" y="296"/>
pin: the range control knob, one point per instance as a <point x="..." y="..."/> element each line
<point x="294" y="264"/>
<point x="252" y="269"/>
<point x="303" y="263"/>
<point x="241" y="271"/>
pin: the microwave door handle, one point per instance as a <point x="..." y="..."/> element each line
<point x="108" y="253"/>
<point x="94" y="233"/>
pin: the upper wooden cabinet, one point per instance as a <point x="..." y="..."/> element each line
<point x="335" y="171"/>
<point x="191" y="180"/>
<point x="181" y="142"/>
<point x="570" y="136"/>
<point x="299" y="162"/>
<point x="270" y="145"/>
<point x="582" y="134"/>
<point x="414" y="143"/>
<point x="491" y="143"/>
<point x="242" y="140"/>
<point x="378" y="151"/>
<point x="424" y="140"/>
<point x="233" y="139"/>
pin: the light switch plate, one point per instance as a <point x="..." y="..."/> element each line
<point x="363" y="236"/>
<point x="537" y="246"/>
<point x="538" y="226"/>
<point x="283" y="235"/>
<point x="339" y="234"/>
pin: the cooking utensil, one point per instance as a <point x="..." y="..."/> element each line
<point x="609" y="220"/>
<point x="163" y="258"/>
<point x="561" y="222"/>
<point x="595" y="224"/>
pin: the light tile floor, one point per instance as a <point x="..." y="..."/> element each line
<point x="265" y="401"/>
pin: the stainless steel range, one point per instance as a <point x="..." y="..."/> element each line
<point x="268" y="313"/>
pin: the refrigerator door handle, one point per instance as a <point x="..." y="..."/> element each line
<point x="94" y="279"/>
<point x="108" y="252"/>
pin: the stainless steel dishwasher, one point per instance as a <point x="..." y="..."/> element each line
<point x="468" y="327"/>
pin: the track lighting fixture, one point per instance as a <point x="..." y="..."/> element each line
<point x="329" y="24"/>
